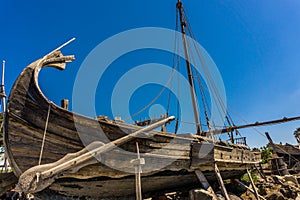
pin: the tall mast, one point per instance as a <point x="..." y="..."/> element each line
<point x="2" y="90"/>
<point x="3" y="97"/>
<point x="188" y="66"/>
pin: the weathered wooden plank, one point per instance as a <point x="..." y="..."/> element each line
<point x="180" y="146"/>
<point x="202" y="153"/>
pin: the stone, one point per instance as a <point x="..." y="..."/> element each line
<point x="200" y="194"/>
<point x="290" y="179"/>
<point x="275" y="196"/>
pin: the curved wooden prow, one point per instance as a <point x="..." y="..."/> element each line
<point x="55" y="58"/>
<point x="26" y="96"/>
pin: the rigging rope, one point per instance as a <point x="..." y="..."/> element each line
<point x="178" y="94"/>
<point x="178" y="77"/>
<point x="216" y="95"/>
<point x="221" y="105"/>
<point x="163" y="89"/>
<point x="154" y="99"/>
<point x="44" y="137"/>
<point x="175" y="61"/>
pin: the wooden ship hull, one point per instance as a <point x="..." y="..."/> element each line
<point x="288" y="152"/>
<point x="285" y="158"/>
<point x="167" y="167"/>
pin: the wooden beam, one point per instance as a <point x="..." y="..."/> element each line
<point x="205" y="184"/>
<point x="232" y="128"/>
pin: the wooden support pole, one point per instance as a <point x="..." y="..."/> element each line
<point x="252" y="191"/>
<point x="253" y="185"/>
<point x="138" y="171"/>
<point x="64" y="103"/>
<point x="221" y="183"/>
<point x="3" y="104"/>
<point x="260" y="170"/>
<point x="205" y="183"/>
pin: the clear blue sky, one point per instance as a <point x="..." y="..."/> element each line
<point x="255" y="45"/>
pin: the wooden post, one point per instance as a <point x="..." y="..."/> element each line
<point x="221" y="183"/>
<point x="253" y="185"/>
<point x="64" y="103"/>
<point x="2" y="90"/>
<point x="205" y="183"/>
<point x="260" y="170"/>
<point x="3" y="104"/>
<point x="138" y="171"/>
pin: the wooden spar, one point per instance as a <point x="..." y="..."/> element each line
<point x="189" y="69"/>
<point x="269" y="138"/>
<point x="3" y="104"/>
<point x="2" y="90"/>
<point x="232" y="128"/>
<point x="30" y="182"/>
<point x="61" y="46"/>
<point x="2" y="87"/>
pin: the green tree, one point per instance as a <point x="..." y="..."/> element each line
<point x="266" y="153"/>
<point x="297" y="134"/>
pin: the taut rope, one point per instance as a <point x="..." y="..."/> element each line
<point x="44" y="137"/>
